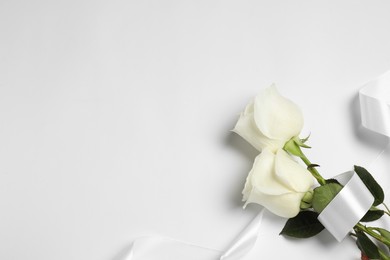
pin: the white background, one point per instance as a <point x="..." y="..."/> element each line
<point x="115" y="115"/>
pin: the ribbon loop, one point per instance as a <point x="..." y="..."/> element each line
<point x="374" y="99"/>
<point x="348" y="207"/>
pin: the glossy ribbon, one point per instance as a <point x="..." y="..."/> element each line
<point x="375" y="104"/>
<point x="348" y="207"/>
<point x="374" y="99"/>
<point x="163" y="248"/>
<point x="245" y="241"/>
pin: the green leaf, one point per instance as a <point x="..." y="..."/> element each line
<point x="301" y="142"/>
<point x="367" y="246"/>
<point x="304" y="225"/>
<point x="371" y="184"/>
<point x="304" y="140"/>
<point x="372" y="215"/>
<point x="324" y="194"/>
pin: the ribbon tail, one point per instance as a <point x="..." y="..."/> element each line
<point x="163" y="248"/>
<point x="245" y="241"/>
<point x="381" y="166"/>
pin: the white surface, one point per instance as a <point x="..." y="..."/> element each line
<point x="115" y="115"/>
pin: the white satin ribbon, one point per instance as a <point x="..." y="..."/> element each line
<point x="163" y="248"/>
<point x="374" y="99"/>
<point x="245" y="241"/>
<point x="348" y="207"/>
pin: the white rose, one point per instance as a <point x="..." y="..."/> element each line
<point x="278" y="183"/>
<point x="270" y="120"/>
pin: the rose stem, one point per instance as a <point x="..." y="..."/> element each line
<point x="313" y="170"/>
<point x="372" y="233"/>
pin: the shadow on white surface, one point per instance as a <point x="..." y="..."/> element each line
<point x="236" y="143"/>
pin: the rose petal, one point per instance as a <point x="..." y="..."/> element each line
<point x="263" y="177"/>
<point x="248" y="130"/>
<point x="292" y="174"/>
<point x="276" y="116"/>
<point x="286" y="205"/>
